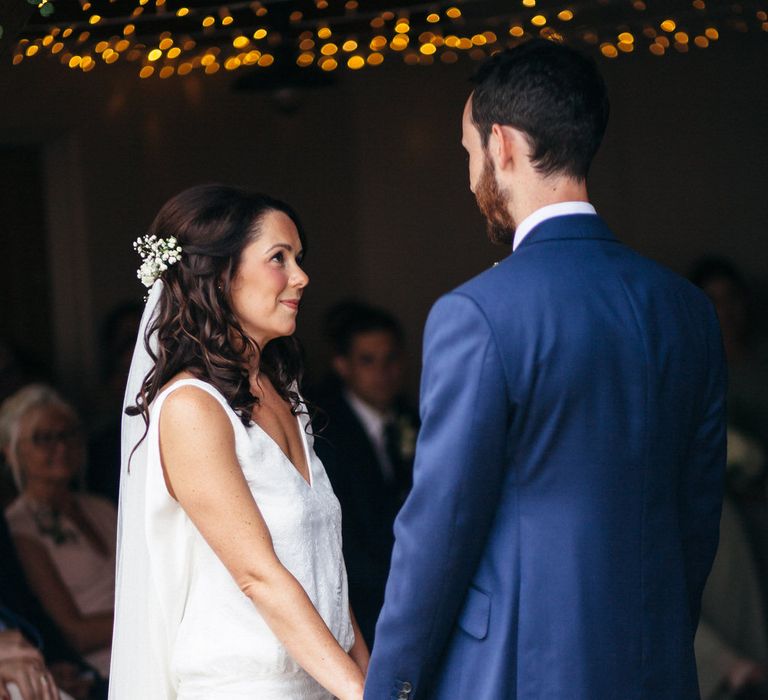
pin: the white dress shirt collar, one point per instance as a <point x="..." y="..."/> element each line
<point x="551" y="210"/>
<point x="374" y="423"/>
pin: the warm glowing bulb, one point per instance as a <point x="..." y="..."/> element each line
<point x="305" y="59"/>
<point x="329" y="64"/>
<point x="565" y="15"/>
<point x="349" y="46"/>
<point x="355" y="62"/>
<point x="154" y="54"/>
<point x="453" y="12"/>
<point x="378" y="43"/>
<point x="240" y="42"/>
<point x="433" y="17"/>
<point x="668" y="25"/>
<point x="539" y="20"/>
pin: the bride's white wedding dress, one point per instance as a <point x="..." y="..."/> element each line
<point x="183" y="628"/>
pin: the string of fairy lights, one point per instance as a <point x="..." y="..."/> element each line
<point x="165" y="40"/>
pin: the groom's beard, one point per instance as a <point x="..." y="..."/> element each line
<point x="493" y="204"/>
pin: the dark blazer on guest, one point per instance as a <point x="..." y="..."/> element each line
<point x="567" y="484"/>
<point x="369" y="504"/>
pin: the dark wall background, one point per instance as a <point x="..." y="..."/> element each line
<point x="374" y="166"/>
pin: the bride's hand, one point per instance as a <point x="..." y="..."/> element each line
<point x="359" y="651"/>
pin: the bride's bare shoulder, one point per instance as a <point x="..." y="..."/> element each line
<point x="189" y="403"/>
<point x="184" y="374"/>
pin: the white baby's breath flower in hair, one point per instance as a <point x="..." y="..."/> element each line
<point x="156" y="255"/>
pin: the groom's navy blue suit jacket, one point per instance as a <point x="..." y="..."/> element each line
<point x="567" y="486"/>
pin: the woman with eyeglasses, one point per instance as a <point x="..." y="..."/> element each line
<point x="65" y="538"/>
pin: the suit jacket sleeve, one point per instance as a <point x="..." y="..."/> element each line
<point x="701" y="489"/>
<point x="441" y="530"/>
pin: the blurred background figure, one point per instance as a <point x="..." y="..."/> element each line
<point x="16" y="369"/>
<point x="22" y="670"/>
<point x="367" y="441"/>
<point x="22" y="613"/>
<point x="732" y="639"/>
<point x="118" y="336"/>
<point x="746" y="348"/>
<point x="64" y="538"/>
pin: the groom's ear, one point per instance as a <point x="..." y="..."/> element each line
<point x="507" y="146"/>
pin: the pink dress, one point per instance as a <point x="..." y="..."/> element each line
<point x="88" y="574"/>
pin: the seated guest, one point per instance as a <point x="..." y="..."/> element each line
<point x="22" y="670"/>
<point x="22" y="614"/>
<point x="65" y="539"/>
<point x="367" y="446"/>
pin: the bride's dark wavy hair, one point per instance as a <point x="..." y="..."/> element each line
<point x="196" y="328"/>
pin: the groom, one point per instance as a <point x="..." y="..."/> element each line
<point x="567" y="484"/>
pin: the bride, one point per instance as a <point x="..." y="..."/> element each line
<point x="230" y="580"/>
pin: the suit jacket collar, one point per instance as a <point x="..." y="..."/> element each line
<point x="569" y="227"/>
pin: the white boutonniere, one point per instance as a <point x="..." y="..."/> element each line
<point x="408" y="435"/>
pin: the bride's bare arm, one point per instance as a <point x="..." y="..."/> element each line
<point x="197" y="446"/>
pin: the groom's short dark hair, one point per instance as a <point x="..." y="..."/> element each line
<point x="552" y="93"/>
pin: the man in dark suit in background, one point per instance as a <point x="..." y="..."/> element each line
<point x="367" y="446"/>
